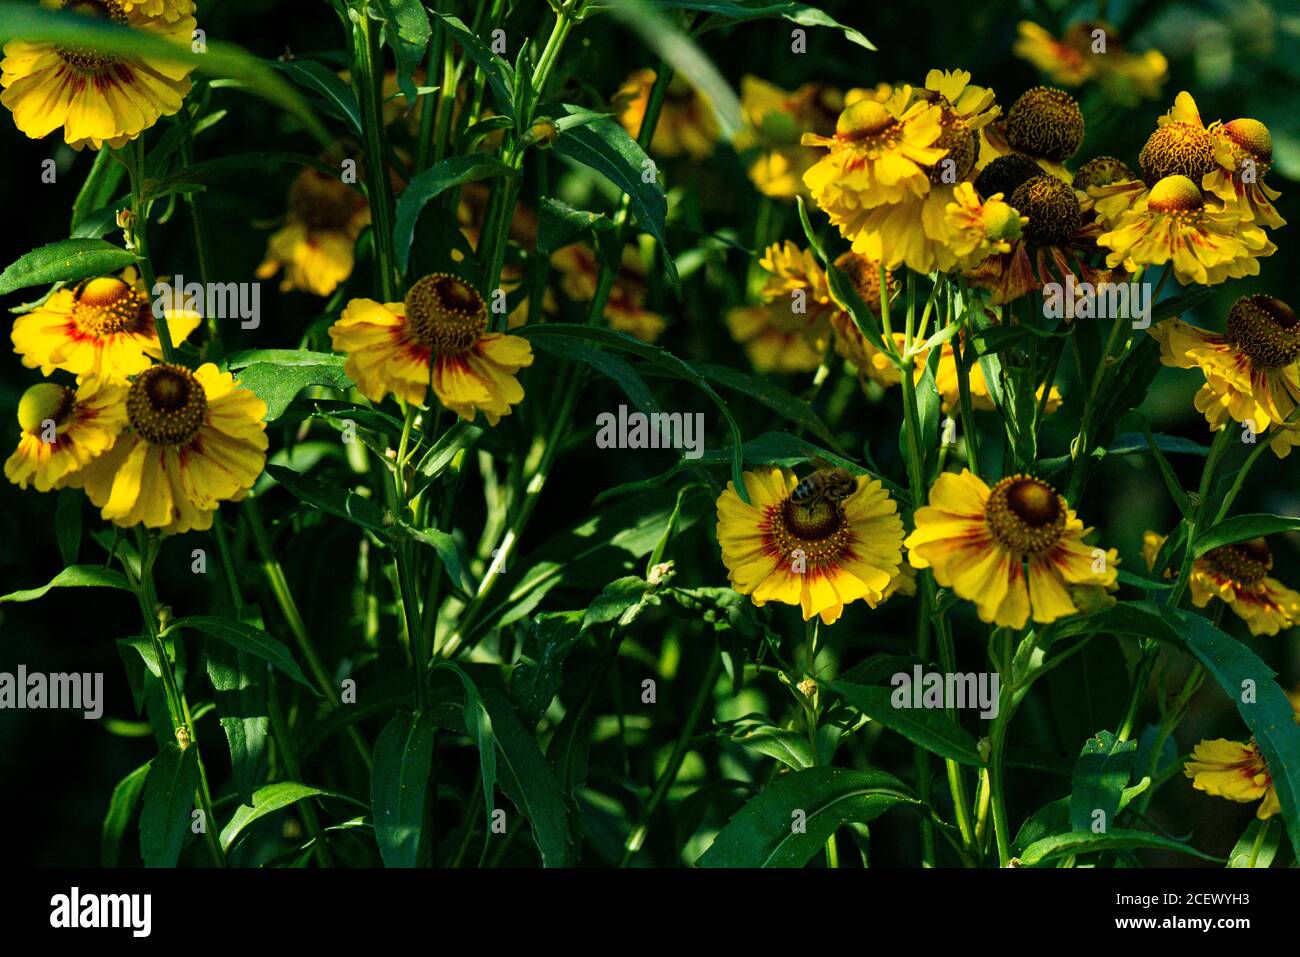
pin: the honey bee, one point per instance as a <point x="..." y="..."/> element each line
<point x="831" y="485"/>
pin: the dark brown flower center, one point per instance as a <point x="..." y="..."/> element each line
<point x="807" y="539"/>
<point x="90" y="61"/>
<point x="1102" y="171"/>
<point x="1246" y="563"/>
<point x="961" y="143"/>
<point x="1046" y="123"/>
<point x="446" y="314"/>
<point x="1005" y="173"/>
<point x="166" y="405"/>
<point x="1182" y="149"/>
<point x="1265" y="329"/>
<point x="1025" y="515"/>
<point x="1052" y="208"/>
<point x="107" y="306"/>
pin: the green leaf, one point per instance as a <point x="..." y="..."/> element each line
<point x="399" y="786"/>
<point x="120" y="808"/>
<point x="500" y="75"/>
<point x="620" y="601"/>
<point x="321" y="79"/>
<point x="445" y="545"/>
<point x="660" y="359"/>
<point x="1100" y="776"/>
<point x="1117" y="839"/>
<point x="168" y="803"/>
<point x="1242" y="528"/>
<point x="1254" y="849"/>
<point x="763" y="390"/>
<point x="1234" y="667"/>
<point x="407" y="30"/>
<point x="535" y="678"/>
<point x="240" y="688"/>
<point x="1172" y="485"/>
<point x="530" y="783"/>
<point x="344" y="503"/>
<point x="460" y="436"/>
<point x="278" y="383"/>
<point x="65" y="261"/>
<point x="928" y="728"/>
<point x="559" y="224"/>
<point x="67" y="524"/>
<point x="789" y="747"/>
<point x="74" y="576"/>
<point x="98" y="189"/>
<point x="441" y="176"/>
<point x="766" y="831"/>
<point x="478" y="725"/>
<point x="604" y="146"/>
<point x="800" y="13"/>
<point x="268" y="800"/>
<point x="611" y="366"/>
<point x="245" y="637"/>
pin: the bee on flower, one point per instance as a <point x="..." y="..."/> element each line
<point x="818" y="545"/>
<point x="1016" y="550"/>
<point x="98" y="98"/>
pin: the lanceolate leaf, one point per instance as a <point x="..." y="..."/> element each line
<point x="1242" y="528"/>
<point x="399" y="786"/>
<point x="791" y="819"/>
<point x="1075" y="842"/>
<point x="168" y="803"/>
<point x="246" y="638"/>
<point x="926" y="727"/>
<point x="120" y="808"/>
<point x="74" y="576"/>
<point x="453" y="171"/>
<point x="1100" y="775"/>
<point x="268" y="800"/>
<point x="65" y="261"/>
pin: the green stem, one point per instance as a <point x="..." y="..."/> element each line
<point x="368" y="79"/>
<point x="680" y="749"/>
<point x="182" y="726"/>
<point x="133" y="159"/>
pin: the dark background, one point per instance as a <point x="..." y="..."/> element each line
<point x="1238" y="58"/>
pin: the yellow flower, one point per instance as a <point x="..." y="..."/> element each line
<point x="686" y="121"/>
<point x="437" y="336"/>
<point x="1238" y="575"/>
<point x="1173" y="223"/>
<point x="1243" y="153"/>
<point x="774" y="122"/>
<point x="314" y="247"/>
<point x="979" y="541"/>
<point x="1236" y="771"/>
<point x="97" y="98"/>
<point x="169" y="10"/>
<point x="1075" y="59"/>
<point x="63" y="429"/>
<point x="194" y="440"/>
<point x="1251" y="371"/>
<point x="625" y="309"/>
<point x="820" y="556"/>
<point x="880" y="153"/>
<point x="99" y="327"/>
